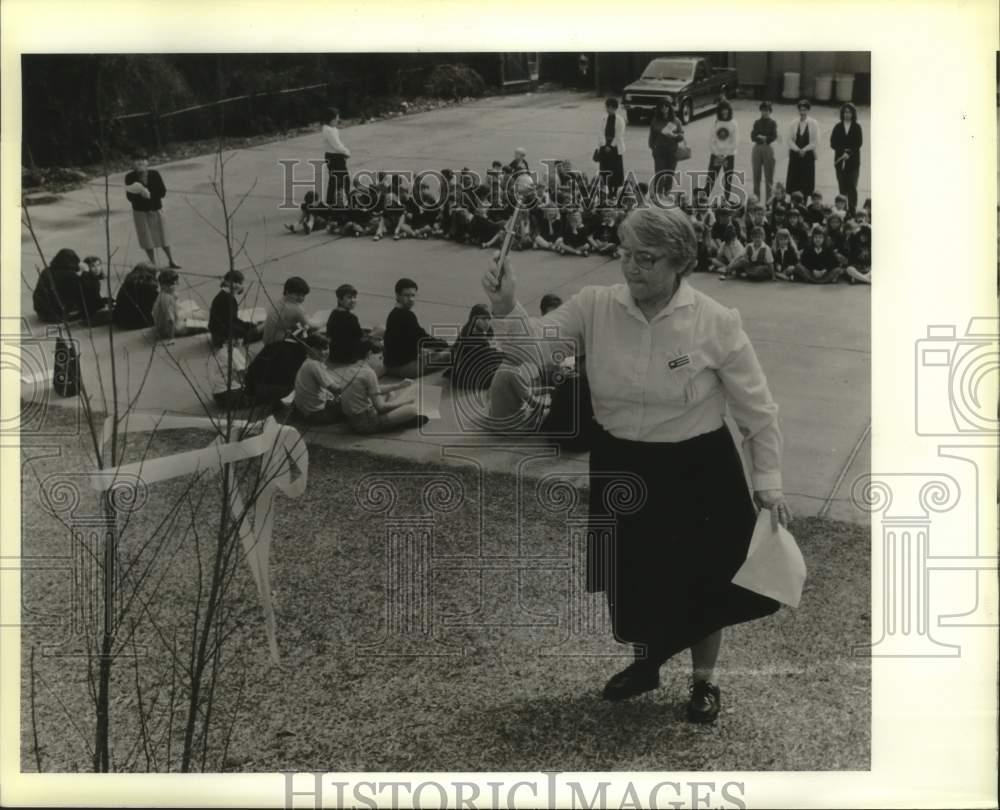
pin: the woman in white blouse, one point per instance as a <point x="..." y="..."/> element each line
<point x="803" y="138"/>
<point x="670" y="513"/>
<point x="339" y="182"/>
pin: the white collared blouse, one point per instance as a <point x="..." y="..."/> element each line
<point x="668" y="379"/>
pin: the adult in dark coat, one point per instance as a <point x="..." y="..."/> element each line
<point x="845" y="141"/>
<point x="665" y="132"/>
<point x="58" y="295"/>
<point x="135" y="298"/>
<point x="145" y="191"/>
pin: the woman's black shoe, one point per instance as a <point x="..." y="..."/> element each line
<point x="642" y="676"/>
<point x="705" y="702"/>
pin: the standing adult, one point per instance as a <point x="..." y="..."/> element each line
<point x="611" y="147"/>
<point x="763" y="134"/>
<point x="725" y="136"/>
<point x="803" y="136"/>
<point x="671" y="514"/>
<point x="665" y="132"/>
<point x="845" y="140"/>
<point x="339" y="181"/>
<point x="145" y="191"/>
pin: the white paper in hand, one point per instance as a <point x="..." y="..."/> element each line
<point x="774" y="566"/>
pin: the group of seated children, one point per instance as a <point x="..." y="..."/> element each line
<point x="785" y="239"/>
<point x="334" y="377"/>
<point x="468" y="212"/>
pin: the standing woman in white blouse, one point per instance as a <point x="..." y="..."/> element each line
<point x="339" y="182"/>
<point x="671" y="515"/>
<point x="803" y="138"/>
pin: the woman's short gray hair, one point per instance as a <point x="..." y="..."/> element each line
<point x="666" y="228"/>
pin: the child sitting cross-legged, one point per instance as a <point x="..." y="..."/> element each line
<point x="786" y="257"/>
<point x="729" y="251"/>
<point x="313" y="214"/>
<point x="757" y="262"/>
<point x="576" y="238"/>
<point x="168" y="323"/>
<point x="367" y="406"/>
<point x="817" y="263"/>
<point x="547" y="226"/>
<point x="605" y="235"/>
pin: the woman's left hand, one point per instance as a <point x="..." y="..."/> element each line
<point x="774" y="501"/>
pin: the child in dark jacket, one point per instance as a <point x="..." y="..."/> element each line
<point x="817" y="264"/>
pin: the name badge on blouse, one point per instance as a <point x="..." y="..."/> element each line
<point x="679" y="362"/>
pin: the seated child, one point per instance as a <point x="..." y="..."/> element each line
<point x="359" y="218"/>
<point x="605" y="236"/>
<point x="270" y="376"/>
<point x="815" y="213"/>
<point x="420" y="214"/>
<point x="476" y="356"/>
<point x="484" y="231"/>
<point x="756" y="219"/>
<point x="167" y="322"/>
<point x="520" y="163"/>
<point x="287" y="315"/>
<point x="778" y="195"/>
<point x="576" y="238"/>
<point x="391" y="216"/>
<point x="95" y="306"/>
<point x="313" y="214"/>
<point x="547" y="226"/>
<point x="837" y="237"/>
<point x="797" y="229"/>
<point x="757" y="262"/>
<point x="729" y="251"/>
<point x="460" y="226"/>
<point x="704" y="264"/>
<point x="840" y="206"/>
<point x="723" y="218"/>
<point x="786" y="257"/>
<point x="817" y="264"/>
<point x="859" y="267"/>
<point x="367" y="406"/>
<point x="224" y="321"/>
<point x="135" y="298"/>
<point x="317" y="391"/>
<point x="798" y="201"/>
<point x="227" y="367"/>
<point x="409" y="350"/>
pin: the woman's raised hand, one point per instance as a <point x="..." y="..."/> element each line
<point x="499" y="290"/>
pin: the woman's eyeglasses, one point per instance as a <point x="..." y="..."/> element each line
<point x="640" y="258"/>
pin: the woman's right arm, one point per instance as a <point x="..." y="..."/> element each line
<point x="513" y="326"/>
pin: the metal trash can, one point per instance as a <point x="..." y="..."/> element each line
<point x="791" y="86"/>
<point x="845" y="86"/>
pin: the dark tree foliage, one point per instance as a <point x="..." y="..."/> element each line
<point x="68" y="97"/>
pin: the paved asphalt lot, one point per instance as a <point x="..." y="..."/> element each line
<point x="813" y="342"/>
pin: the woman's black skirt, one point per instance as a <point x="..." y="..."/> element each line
<point x="801" y="173"/>
<point x="670" y="524"/>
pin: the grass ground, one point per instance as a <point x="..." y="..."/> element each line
<point x="498" y="696"/>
